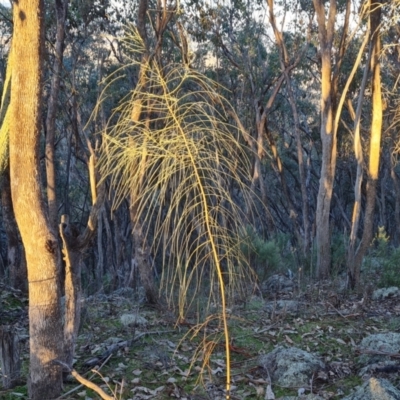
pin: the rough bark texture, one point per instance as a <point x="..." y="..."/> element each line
<point x="61" y="12"/>
<point x="73" y="288"/>
<point x="2" y="268"/>
<point x="141" y="248"/>
<point x="141" y="19"/>
<point x="396" y="186"/>
<point x="16" y="264"/>
<point x="9" y="356"/>
<point x="100" y="257"/>
<point x="143" y="261"/>
<point x="41" y="246"/>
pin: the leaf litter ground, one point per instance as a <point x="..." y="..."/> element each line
<point x="154" y="358"/>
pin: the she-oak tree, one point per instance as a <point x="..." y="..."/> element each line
<point x="40" y="242"/>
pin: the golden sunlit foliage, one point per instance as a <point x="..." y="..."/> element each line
<point x="180" y="162"/>
<point x="191" y="157"/>
<point x="5" y="117"/>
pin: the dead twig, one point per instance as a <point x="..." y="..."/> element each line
<point x="343" y="315"/>
<point x="80" y="386"/>
<point x="377" y="352"/>
<point x="85" y="382"/>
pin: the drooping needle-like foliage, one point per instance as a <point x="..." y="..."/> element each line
<point x="181" y="160"/>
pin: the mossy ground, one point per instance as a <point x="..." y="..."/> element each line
<point x="169" y="361"/>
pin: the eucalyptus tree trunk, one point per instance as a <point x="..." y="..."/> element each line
<point x="284" y="61"/>
<point x="375" y="9"/>
<point x="41" y="245"/>
<point x="16" y="264"/>
<point x="10" y="361"/>
<point x="355" y="222"/>
<point x="396" y="186"/>
<point x="142" y="257"/>
<point x="61" y="13"/>
<point x="383" y="214"/>
<point x="326" y="29"/>
<point x="74" y="246"/>
<point x="15" y="261"/>
<point x="2" y="268"/>
<point x="100" y="255"/>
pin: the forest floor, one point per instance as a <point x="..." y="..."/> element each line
<point x="156" y="358"/>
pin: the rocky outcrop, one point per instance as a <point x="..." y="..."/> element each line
<point x="290" y="367"/>
<point x="277" y="283"/>
<point x="375" y="389"/>
<point x="280" y="306"/>
<point x="378" y="348"/>
<point x="132" y="319"/>
<point x="385" y="293"/>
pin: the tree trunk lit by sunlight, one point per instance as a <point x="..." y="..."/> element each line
<point x="41" y="246"/>
<point x="326" y="28"/>
<point x="358" y="151"/>
<point x="374" y="145"/>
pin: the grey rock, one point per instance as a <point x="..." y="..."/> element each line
<point x="372" y="368"/>
<point x="375" y="389"/>
<point x="277" y="283"/>
<point x="113" y="340"/>
<point x="385" y="342"/>
<point x="290" y="367"/>
<point x="132" y="319"/>
<point x="384" y="293"/>
<point x="126" y="292"/>
<point x="304" y="397"/>
<point x="283" y="305"/>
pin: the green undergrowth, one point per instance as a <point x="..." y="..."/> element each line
<point x="19" y="392"/>
<point x="381" y="265"/>
<point x="12" y="305"/>
<point x="182" y="360"/>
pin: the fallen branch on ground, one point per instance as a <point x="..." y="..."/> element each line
<point x="377" y="352"/>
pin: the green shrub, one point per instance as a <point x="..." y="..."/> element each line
<point x="390" y="269"/>
<point x="381" y="243"/>
<point x="383" y="260"/>
<point x="339" y="252"/>
<point x="265" y="256"/>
